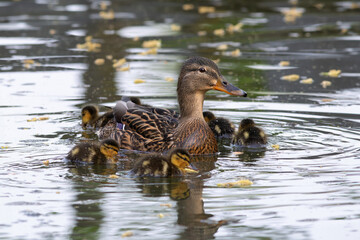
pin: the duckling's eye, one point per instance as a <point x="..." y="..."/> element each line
<point x="202" y="69"/>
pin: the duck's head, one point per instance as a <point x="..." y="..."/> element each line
<point x="181" y="159"/>
<point x="208" y="116"/>
<point x="88" y="114"/>
<point x="110" y="148"/>
<point x="199" y="74"/>
<point x="247" y="122"/>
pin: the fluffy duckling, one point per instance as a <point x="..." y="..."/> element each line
<point x="95" y="152"/>
<point x="177" y="163"/>
<point x="249" y="135"/>
<point x="90" y="117"/>
<point x="221" y="127"/>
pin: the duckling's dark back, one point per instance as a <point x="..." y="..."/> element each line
<point x="250" y="136"/>
<point x="86" y="152"/>
<point x="155" y="165"/>
<point x="222" y="127"/>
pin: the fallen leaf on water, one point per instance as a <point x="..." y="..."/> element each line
<point x="152" y="51"/>
<point x="219" y="32"/>
<point x="292" y="77"/>
<point x="240" y="183"/>
<point x="332" y="73"/>
<point x="175" y="27"/>
<point x="135" y="39"/>
<point x="290" y="15"/>
<point x="107" y="15"/>
<point x="119" y="63"/>
<point x="124" y="69"/>
<point x="46" y="162"/>
<point x="222" y="47"/>
<point x="136" y="81"/>
<point x="319" y="6"/>
<point x="4" y="147"/>
<point x="166" y="205"/>
<point x="325" y="84"/>
<point x="169" y="79"/>
<point x="99" y="61"/>
<point x="151" y="44"/>
<point x="284" y="63"/>
<point x="37" y="119"/>
<point x="127" y="234"/>
<point x="52" y="31"/>
<point x="201" y="33"/>
<point x="307" y="81"/>
<point x="89" y="45"/>
<point x="238" y="153"/>
<point x="206" y="9"/>
<point x="235" y="53"/>
<point x="113" y="176"/>
<point x="327" y="100"/>
<point x="160" y="215"/>
<point x="188" y="7"/>
<point x="234" y="28"/>
<point x="275" y="146"/>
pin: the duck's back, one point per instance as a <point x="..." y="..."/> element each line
<point x="155" y="166"/>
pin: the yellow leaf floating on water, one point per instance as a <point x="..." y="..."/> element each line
<point x="107" y="15"/>
<point x="188" y="7"/>
<point x="151" y="44"/>
<point x="152" y="51"/>
<point x="124" y="69"/>
<point x="135" y="39"/>
<point x="291" y="78"/>
<point x="166" y="205"/>
<point x="114" y="176"/>
<point x="222" y="47"/>
<point x="109" y="57"/>
<point x="234" y="28"/>
<point x="4" y="147"/>
<point x="201" y="33"/>
<point x="240" y="183"/>
<point x="99" y="61"/>
<point x="290" y="15"/>
<point x="136" y="81"/>
<point x="235" y="53"/>
<point x="89" y="45"/>
<point x="219" y="32"/>
<point x="206" y="9"/>
<point x="332" y="73"/>
<point x="325" y="84"/>
<point x="160" y="215"/>
<point x="327" y="100"/>
<point x="127" y="234"/>
<point x="175" y="27"/>
<point x="284" y="63"/>
<point x="275" y="146"/>
<point x="37" y="119"/>
<point x="169" y="79"/>
<point x="307" y="81"/>
<point x="46" y="162"/>
<point x="119" y="63"/>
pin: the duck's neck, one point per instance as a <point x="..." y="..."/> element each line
<point x="191" y="104"/>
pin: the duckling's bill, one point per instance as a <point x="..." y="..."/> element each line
<point x="191" y="169"/>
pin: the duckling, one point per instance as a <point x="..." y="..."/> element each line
<point x="221" y="127"/>
<point x="90" y="117"/>
<point x="249" y="135"/>
<point x="177" y="163"/>
<point x="151" y="130"/>
<point x="95" y="152"/>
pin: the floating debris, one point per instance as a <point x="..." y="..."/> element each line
<point x="275" y="146"/>
<point x="119" y="63"/>
<point x="235" y="53"/>
<point x="234" y="28"/>
<point x="135" y="39"/>
<point x="29" y="63"/>
<point x="284" y="63"/>
<point x="327" y="100"/>
<point x="114" y="176"/>
<point x="307" y="81"/>
<point x="332" y="73"/>
<point x="169" y="79"/>
<point x="325" y="84"/>
<point x="37" y="119"/>
<point x="151" y="44"/>
<point x="319" y="6"/>
<point x="219" y="32"/>
<point x="89" y="45"/>
<point x="237" y="184"/>
<point x="222" y="47"/>
<point x="201" y="33"/>
<point x="166" y="205"/>
<point x="4" y="147"/>
<point x="160" y="215"/>
<point x="109" y="57"/>
<point x="107" y="15"/>
<point x="136" y="81"/>
<point x="52" y="31"/>
<point x="206" y="9"/>
<point x="188" y="7"/>
<point x="99" y="61"/>
<point x="124" y="69"/>
<point x="46" y="162"/>
<point x="151" y="51"/>
<point x="291" y="78"/>
<point x="127" y="234"/>
<point x="291" y="14"/>
<point x="175" y="27"/>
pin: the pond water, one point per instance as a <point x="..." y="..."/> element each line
<point x="306" y="184"/>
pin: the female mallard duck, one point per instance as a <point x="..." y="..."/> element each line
<point x="158" y="130"/>
<point x="90" y="117"/>
<point x="95" y="152"/>
<point x="249" y="135"/>
<point x="221" y="127"/>
<point x="157" y="165"/>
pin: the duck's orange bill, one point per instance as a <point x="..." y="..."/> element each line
<point x="224" y="86"/>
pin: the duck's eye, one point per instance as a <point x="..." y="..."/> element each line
<point x="225" y="83"/>
<point x="202" y="69"/>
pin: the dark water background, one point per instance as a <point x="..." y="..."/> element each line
<point x="308" y="189"/>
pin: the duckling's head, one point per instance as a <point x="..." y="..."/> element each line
<point x="208" y="116"/>
<point x="199" y="74"/>
<point x="110" y="148"/>
<point x="88" y="114"/>
<point x="247" y="122"/>
<point x="181" y="159"/>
